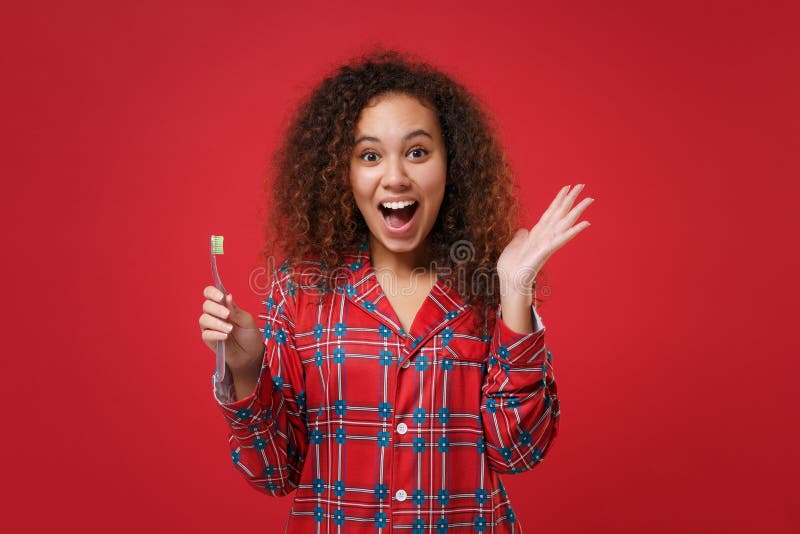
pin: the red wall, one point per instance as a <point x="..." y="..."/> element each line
<point x="133" y="130"/>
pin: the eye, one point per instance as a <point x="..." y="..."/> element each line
<point x="418" y="149"/>
<point x="367" y="154"/>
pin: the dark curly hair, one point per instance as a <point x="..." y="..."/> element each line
<point x="312" y="211"/>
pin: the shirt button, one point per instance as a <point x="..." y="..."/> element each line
<point x="402" y="428"/>
<point x="400" y="495"/>
<point x="406" y="363"/>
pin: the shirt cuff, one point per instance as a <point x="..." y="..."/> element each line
<point x="536" y="320"/>
<point x="223" y="389"/>
<point x="511" y="346"/>
<point x="225" y="394"/>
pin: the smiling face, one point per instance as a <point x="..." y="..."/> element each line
<point x="399" y="158"/>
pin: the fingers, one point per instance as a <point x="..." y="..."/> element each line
<point x="209" y="322"/>
<point x="567" y="201"/>
<point x="215" y="309"/>
<point x="567" y="236"/>
<point x="213" y="335"/>
<point x="576" y="212"/>
<point x="561" y="203"/>
<point x="551" y="209"/>
<point x="557" y="210"/>
<point x="211" y="292"/>
<point x="214" y="312"/>
<point x="218" y="316"/>
<point x="558" y="220"/>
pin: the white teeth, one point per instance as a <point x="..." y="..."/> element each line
<point x="397" y="205"/>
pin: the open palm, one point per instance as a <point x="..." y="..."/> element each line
<point x="528" y="251"/>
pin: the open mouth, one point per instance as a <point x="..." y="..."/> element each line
<point x="399" y="217"/>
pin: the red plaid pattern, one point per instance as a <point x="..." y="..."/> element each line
<point x="376" y="429"/>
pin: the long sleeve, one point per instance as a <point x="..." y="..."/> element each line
<point x="268" y="432"/>
<point x="519" y="403"/>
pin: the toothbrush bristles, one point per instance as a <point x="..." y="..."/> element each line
<point x="216" y="244"/>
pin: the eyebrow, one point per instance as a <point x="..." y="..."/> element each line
<point x="406" y="138"/>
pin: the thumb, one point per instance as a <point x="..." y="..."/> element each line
<point x="238" y="316"/>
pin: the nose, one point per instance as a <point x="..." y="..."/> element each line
<point x="395" y="176"/>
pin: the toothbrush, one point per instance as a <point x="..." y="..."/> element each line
<point x="216" y="248"/>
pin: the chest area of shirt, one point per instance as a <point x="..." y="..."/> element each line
<point x="352" y="350"/>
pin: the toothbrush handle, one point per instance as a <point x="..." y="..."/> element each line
<point x="220" y="369"/>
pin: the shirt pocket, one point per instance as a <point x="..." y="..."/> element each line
<point x="465" y="347"/>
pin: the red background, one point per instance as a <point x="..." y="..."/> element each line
<point x="133" y="132"/>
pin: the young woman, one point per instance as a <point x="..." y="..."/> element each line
<point x="399" y="367"/>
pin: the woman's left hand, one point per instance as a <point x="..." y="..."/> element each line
<point x="526" y="254"/>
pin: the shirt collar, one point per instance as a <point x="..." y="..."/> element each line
<point x="441" y="309"/>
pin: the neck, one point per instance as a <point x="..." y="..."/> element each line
<point x="401" y="264"/>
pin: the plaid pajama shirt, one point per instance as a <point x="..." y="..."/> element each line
<point x="376" y="429"/>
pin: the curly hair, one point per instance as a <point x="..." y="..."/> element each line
<point x="313" y="214"/>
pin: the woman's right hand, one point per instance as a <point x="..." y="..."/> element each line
<point x="244" y="344"/>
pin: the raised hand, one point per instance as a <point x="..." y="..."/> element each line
<point x="528" y="251"/>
